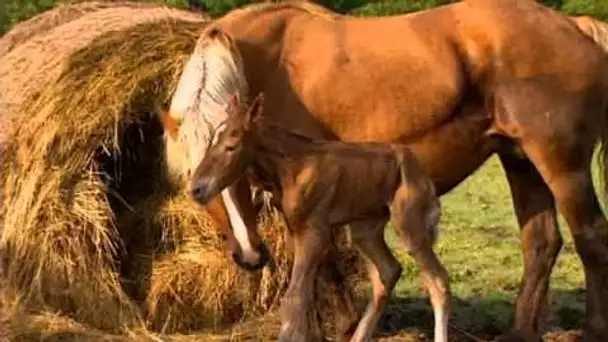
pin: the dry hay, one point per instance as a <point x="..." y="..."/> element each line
<point x="60" y="15"/>
<point x="29" y="65"/>
<point x="95" y="236"/>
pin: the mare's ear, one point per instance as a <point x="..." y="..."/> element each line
<point x="215" y="32"/>
<point x="170" y="124"/>
<point x="255" y="110"/>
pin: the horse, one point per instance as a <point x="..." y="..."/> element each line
<point x="457" y="84"/>
<point x="322" y="186"/>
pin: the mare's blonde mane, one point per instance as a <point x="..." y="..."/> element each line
<point x="265" y="7"/>
<point x="213" y="74"/>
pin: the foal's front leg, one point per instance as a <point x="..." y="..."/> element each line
<point x="310" y="246"/>
<point x="383" y="270"/>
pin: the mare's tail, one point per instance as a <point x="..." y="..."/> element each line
<point x="595" y="29"/>
<point x="598" y="32"/>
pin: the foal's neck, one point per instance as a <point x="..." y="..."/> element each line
<point x="278" y="150"/>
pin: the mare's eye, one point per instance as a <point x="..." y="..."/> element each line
<point x="230" y="148"/>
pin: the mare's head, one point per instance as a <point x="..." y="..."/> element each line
<point x="229" y="155"/>
<point x="205" y="95"/>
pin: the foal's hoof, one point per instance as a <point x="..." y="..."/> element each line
<point x="292" y="335"/>
<point x="348" y="335"/>
<point x="345" y="333"/>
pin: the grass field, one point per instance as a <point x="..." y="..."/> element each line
<point x="479" y="244"/>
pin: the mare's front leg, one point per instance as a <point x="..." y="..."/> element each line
<point x="383" y="270"/>
<point x="310" y="246"/>
<point x="541" y="242"/>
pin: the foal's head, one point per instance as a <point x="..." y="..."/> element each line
<point x="228" y="155"/>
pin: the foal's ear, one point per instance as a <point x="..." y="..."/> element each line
<point x="233" y="105"/>
<point x="170" y="124"/>
<point x="255" y="110"/>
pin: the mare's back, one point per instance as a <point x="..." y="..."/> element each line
<point x="528" y="39"/>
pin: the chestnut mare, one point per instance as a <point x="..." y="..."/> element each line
<point x="457" y="84"/>
<point x="322" y="186"/>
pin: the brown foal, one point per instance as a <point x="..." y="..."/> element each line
<point x="323" y="185"/>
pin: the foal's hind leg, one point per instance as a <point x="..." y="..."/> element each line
<point x="541" y="242"/>
<point x="383" y="270"/>
<point x="415" y="214"/>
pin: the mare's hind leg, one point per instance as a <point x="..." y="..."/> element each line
<point x="415" y="215"/>
<point x="541" y="242"/>
<point x="568" y="175"/>
<point x="383" y="270"/>
<point x="557" y="130"/>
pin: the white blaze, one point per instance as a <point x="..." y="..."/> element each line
<point x="239" y="229"/>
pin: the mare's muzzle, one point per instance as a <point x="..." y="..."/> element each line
<point x="202" y="192"/>
<point x="252" y="265"/>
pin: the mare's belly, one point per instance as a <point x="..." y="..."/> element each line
<point x="449" y="152"/>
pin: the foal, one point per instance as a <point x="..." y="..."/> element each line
<point x="321" y="185"/>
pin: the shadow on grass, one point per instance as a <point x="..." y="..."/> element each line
<point x="485" y="317"/>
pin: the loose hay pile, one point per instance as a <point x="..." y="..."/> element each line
<point x="93" y="231"/>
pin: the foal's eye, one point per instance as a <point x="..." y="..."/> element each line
<point x="230" y="148"/>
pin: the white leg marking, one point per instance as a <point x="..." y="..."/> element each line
<point x="239" y="229"/>
<point x="441" y="325"/>
<point x="365" y="328"/>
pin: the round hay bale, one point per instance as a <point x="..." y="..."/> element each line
<point x="79" y="98"/>
<point x="93" y="227"/>
<point x="59" y="15"/>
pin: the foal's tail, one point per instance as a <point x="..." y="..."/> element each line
<point x="418" y="190"/>
<point x="598" y="32"/>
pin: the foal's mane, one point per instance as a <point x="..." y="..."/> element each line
<point x="277" y="139"/>
<point x="265" y="7"/>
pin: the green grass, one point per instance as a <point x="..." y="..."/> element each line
<point x="479" y="245"/>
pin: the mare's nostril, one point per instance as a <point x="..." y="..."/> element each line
<point x="235" y="257"/>
<point x="198" y="191"/>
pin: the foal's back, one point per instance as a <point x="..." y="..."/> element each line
<point x="344" y="182"/>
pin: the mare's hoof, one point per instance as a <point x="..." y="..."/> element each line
<point x="591" y="336"/>
<point x="515" y="336"/>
